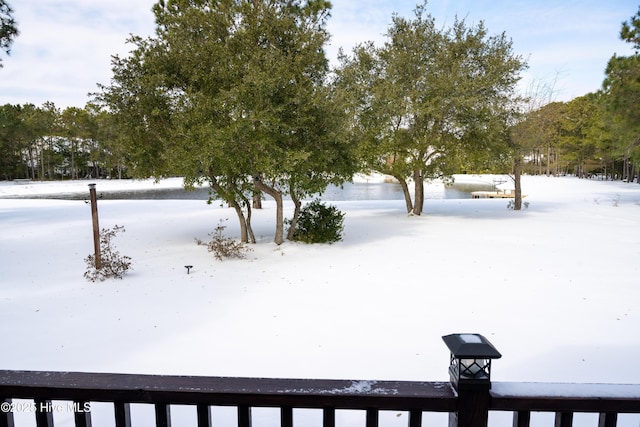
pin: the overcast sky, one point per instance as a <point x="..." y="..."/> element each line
<point x="65" y="46"/>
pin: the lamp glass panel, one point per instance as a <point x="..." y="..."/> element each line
<point x="477" y="369"/>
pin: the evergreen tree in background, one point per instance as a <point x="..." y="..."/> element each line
<point x="8" y="27"/>
<point x="622" y="89"/>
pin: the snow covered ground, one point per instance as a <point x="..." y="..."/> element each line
<point x="555" y="287"/>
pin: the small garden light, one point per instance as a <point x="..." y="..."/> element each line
<point x="188" y="267"/>
<point x="471" y="356"/>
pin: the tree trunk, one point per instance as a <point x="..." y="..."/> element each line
<point x="73" y="162"/>
<point x="418" y="181"/>
<point x="277" y="196"/>
<point x="244" y="235"/>
<point x="625" y="168"/>
<point x="33" y="163"/>
<point x="245" y="228"/>
<point x="405" y="191"/>
<point x="250" y="236"/>
<point x="257" y="200"/>
<point x="540" y="162"/>
<point x="548" y="159"/>
<point x="517" y="174"/>
<point x="42" y="169"/>
<point x="297" y="203"/>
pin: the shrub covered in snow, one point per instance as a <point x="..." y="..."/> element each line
<point x="113" y="265"/>
<point x="225" y="247"/>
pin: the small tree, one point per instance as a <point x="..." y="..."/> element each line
<point x="113" y="265"/>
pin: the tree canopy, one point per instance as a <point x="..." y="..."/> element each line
<point x="630" y="31"/>
<point x="239" y="95"/>
<point x="430" y="100"/>
<point x="233" y="93"/>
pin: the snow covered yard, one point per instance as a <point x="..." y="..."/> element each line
<point x="555" y="287"/>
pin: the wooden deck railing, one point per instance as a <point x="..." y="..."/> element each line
<point x="607" y="400"/>
<point x="44" y="390"/>
<point x="203" y="392"/>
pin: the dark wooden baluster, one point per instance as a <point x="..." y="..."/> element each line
<point x="415" y="418"/>
<point x="608" y="419"/>
<point x="122" y="412"/>
<point x="82" y="414"/>
<point x="521" y="418"/>
<point x="163" y="415"/>
<point x="204" y="415"/>
<point x="372" y="418"/>
<point x="329" y="417"/>
<point x="6" y="416"/>
<point x="44" y="413"/>
<point x="244" y="416"/>
<point x="564" y="419"/>
<point x="286" y="416"/>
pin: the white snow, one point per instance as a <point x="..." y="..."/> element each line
<point x="619" y="391"/>
<point x="43" y="188"/>
<point x="555" y="287"/>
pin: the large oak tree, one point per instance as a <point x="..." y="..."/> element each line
<point x="234" y="93"/>
<point x="430" y="99"/>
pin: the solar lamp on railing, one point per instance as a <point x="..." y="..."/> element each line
<point x="471" y="356"/>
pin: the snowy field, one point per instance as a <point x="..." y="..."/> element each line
<point x="555" y="287"/>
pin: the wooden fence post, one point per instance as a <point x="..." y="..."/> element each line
<point x="96" y="227"/>
<point x="473" y="405"/>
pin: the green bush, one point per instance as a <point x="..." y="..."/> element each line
<point x="319" y="223"/>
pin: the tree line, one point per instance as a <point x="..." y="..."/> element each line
<point x="47" y="143"/>
<point x="239" y="95"/>
<point x="586" y="137"/>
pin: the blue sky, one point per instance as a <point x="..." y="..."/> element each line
<point x="65" y="46"/>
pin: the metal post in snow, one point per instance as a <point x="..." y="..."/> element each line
<point x="96" y="228"/>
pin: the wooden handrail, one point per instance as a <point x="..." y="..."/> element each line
<point x="203" y="392"/>
<point x="624" y="398"/>
<point x="468" y="406"/>
<point x="565" y="399"/>
<point x="299" y="393"/>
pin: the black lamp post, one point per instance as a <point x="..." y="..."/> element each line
<point x="470" y="375"/>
